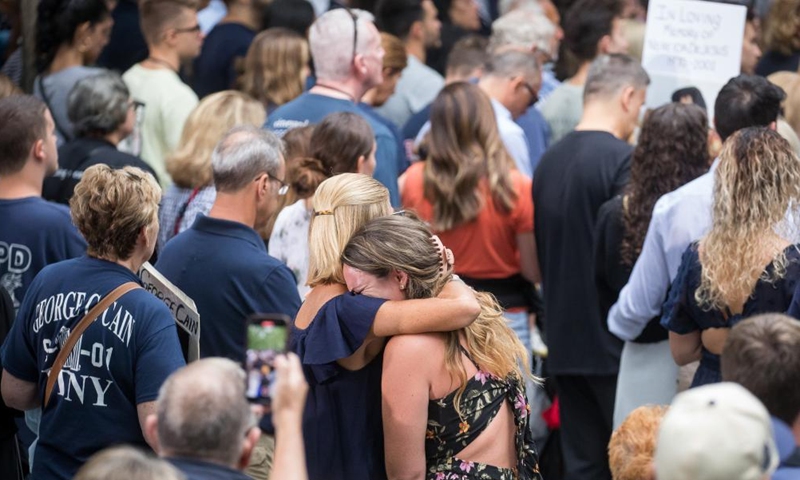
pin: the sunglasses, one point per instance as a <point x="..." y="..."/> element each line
<point x="355" y="30"/>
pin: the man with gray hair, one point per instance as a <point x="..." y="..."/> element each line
<point x="203" y="423"/>
<point x="512" y="80"/>
<point x="575" y="177"/>
<point x="348" y="61"/>
<point x="529" y="30"/>
<point x="221" y="261"/>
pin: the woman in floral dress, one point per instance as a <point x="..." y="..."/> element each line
<point x="454" y="405"/>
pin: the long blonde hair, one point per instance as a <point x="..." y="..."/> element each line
<point x="756" y="182"/>
<point x="465" y="150"/>
<point x="342" y="204"/>
<point x="190" y="165"/>
<point x="398" y="243"/>
<point x="274" y="66"/>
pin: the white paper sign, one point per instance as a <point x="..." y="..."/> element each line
<point x="691" y="44"/>
<point x="182" y="307"/>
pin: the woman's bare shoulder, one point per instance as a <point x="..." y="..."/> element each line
<point x="315" y="300"/>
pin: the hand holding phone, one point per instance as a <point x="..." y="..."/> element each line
<point x="267" y="335"/>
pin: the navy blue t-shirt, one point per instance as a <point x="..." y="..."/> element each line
<point x="120" y="361"/>
<point x="310" y="108"/>
<point x="33" y="234"/>
<point x="215" y="67"/>
<point x="225" y="268"/>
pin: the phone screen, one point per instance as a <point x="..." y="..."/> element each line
<point x="266" y="339"/>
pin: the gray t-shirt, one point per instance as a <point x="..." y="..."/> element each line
<point x="54" y="89"/>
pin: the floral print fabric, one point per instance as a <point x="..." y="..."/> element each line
<point x="448" y="433"/>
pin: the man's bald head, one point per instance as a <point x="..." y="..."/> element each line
<point x="203" y="412"/>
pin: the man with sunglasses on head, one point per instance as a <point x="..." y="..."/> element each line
<point x="222" y="263"/>
<point x="348" y="61"/>
<point x="173" y="37"/>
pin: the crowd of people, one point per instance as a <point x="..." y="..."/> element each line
<point x="496" y="260"/>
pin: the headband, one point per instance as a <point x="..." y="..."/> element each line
<point x="446" y="254"/>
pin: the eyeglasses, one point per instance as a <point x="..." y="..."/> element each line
<point x="135" y="105"/>
<point x="194" y="29"/>
<point x="355" y="30"/>
<point x="532" y="92"/>
<point x="284" y="187"/>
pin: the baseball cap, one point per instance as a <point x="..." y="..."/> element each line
<point x="716" y="432"/>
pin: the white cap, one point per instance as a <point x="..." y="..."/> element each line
<point x="716" y="432"/>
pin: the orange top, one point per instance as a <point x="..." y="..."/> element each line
<point x="486" y="247"/>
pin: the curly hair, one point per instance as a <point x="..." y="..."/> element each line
<point x="465" y="151"/>
<point x="782" y="26"/>
<point x="57" y="22"/>
<point x="756" y="183"/>
<point x="110" y="207"/>
<point x="633" y="444"/>
<point x="672" y="150"/>
<point x="399" y="243"/>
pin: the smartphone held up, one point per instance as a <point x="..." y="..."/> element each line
<point x="267" y="336"/>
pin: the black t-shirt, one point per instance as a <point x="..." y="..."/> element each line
<point x="574" y="178"/>
<point x="611" y="273"/>
<point x="76" y="156"/>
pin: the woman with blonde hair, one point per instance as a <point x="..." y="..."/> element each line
<point x="781" y="38"/>
<point x="193" y="191"/>
<point x="453" y="403"/>
<point x="339" y="336"/>
<point x="276" y="67"/>
<point x="474" y="198"/>
<point x="747" y="263"/>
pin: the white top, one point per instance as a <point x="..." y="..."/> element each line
<point x="418" y="86"/>
<point x="512" y="135"/>
<point x="289" y="242"/>
<point x="679" y="218"/>
<point x="167" y="104"/>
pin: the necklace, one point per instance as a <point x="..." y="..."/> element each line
<point x="161" y="62"/>
<point x="339" y="90"/>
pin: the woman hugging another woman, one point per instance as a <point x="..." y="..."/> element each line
<point x="454" y="403"/>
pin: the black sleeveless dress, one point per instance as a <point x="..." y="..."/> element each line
<point x="448" y="433"/>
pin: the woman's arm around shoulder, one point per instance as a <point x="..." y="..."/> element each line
<point x="406" y="383"/>
<point x="456" y="307"/>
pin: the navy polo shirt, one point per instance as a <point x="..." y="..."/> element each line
<point x="225" y="268"/>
